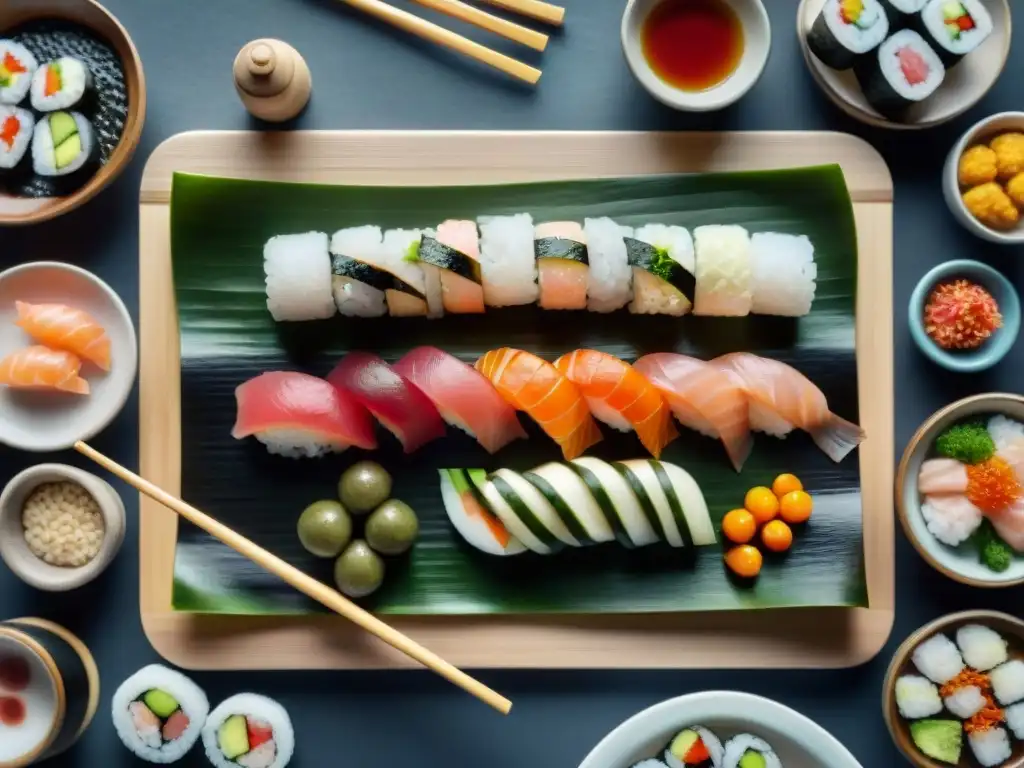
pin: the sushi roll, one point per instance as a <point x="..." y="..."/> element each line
<point x="846" y="30"/>
<point x="451" y="262"/>
<point x="747" y="751"/>
<point x="955" y="27"/>
<point x="507" y="261"/>
<point x="982" y="648"/>
<point x="298" y="276"/>
<point x="1008" y="682"/>
<point x="662" y="261"/>
<point x="649" y="763"/>
<point x="250" y="731"/>
<point x="722" y="271"/>
<point x="694" y="747"/>
<point x="357" y="285"/>
<point x="563" y="264"/>
<point x="471" y="516"/>
<point x="61" y="85"/>
<point x="917" y="697"/>
<point x="17" y="68"/>
<point x="902" y="13"/>
<point x="991" y="746"/>
<point x="63" y="143"/>
<point x="783" y="272"/>
<point x="16" y="127"/>
<point x="904" y="71"/>
<point x="399" y="255"/>
<point x="610" y="281"/>
<point x="938" y="659"/>
<point x="159" y="714"/>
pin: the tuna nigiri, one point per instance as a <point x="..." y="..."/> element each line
<point x="620" y="397"/>
<point x="463" y="396"/>
<point x="297" y="415"/>
<point x="61" y="327"/>
<point x="43" y="368"/>
<point x="702" y="398"/>
<point x="942" y="476"/>
<point x="534" y="385"/>
<point x="399" y="405"/>
<point x="782" y="398"/>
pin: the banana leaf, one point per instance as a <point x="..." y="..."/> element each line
<point x="218" y="228"/>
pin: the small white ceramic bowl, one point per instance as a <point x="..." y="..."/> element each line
<point x="52" y="421"/>
<point x="990" y="127"/>
<point x="757" y="42"/>
<point x="797" y="740"/>
<point x="14" y="549"/>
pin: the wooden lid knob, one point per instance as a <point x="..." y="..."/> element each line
<point x="265" y="67"/>
<point x="262" y="60"/>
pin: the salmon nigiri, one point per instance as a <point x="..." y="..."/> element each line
<point x="702" y="398"/>
<point x="620" y="397"/>
<point x="782" y="398"/>
<point x="63" y="327"/>
<point x="43" y="368"/>
<point x="534" y="385"/>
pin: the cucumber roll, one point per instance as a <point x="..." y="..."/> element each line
<point x="61" y="84"/>
<point x="63" y="143"/>
<point x="954" y="28"/>
<point x="17" y="67"/>
<point x="845" y="30"/>
<point x="902" y="13"/>
<point x="747" y="751"/>
<point x="15" y="136"/>
<point x="249" y="731"/>
<point x="905" y="71"/>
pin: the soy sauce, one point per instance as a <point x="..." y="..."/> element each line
<point x="12" y="711"/>
<point x="692" y="45"/>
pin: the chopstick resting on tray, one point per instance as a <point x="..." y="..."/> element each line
<point x="302" y="582"/>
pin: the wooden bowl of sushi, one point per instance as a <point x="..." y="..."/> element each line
<point x="72" y="106"/>
<point x="954" y="692"/>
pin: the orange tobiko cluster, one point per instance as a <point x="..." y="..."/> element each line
<point x="961" y="315"/>
<point x="992" y="485"/>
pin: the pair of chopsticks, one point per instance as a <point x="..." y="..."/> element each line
<point x="302" y="582"/>
<point x="535" y="9"/>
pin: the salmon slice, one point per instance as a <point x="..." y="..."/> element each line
<point x="535" y="386"/>
<point x="1009" y="524"/>
<point x="460" y="294"/>
<point x="563" y="270"/>
<point x="620" y="397"/>
<point x="702" y="398"/>
<point x="43" y="368"/>
<point x="63" y="327"/>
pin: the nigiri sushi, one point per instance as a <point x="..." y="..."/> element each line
<point x="398" y="404"/>
<point x="620" y="397"/>
<point x="298" y="415"/>
<point x="702" y="398"/>
<point x="43" y="368"/>
<point x="457" y="252"/>
<point x="463" y="396"/>
<point x="534" y="385"/>
<point x="59" y="326"/>
<point x="562" y="264"/>
<point x="942" y="476"/>
<point x="782" y="398"/>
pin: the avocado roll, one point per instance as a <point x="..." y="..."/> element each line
<point x="17" y="67"/>
<point x="845" y="30"/>
<point x="747" y="751"/>
<point x="63" y="143"/>
<point x="15" y="136"/>
<point x="249" y="731"/>
<point x="61" y="84"/>
<point x="694" y="747"/>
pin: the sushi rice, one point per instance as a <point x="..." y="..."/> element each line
<point x="938" y="659"/>
<point x="917" y="697"/>
<point x="507" y="261"/>
<point x="722" y="271"/>
<point x="982" y="648"/>
<point x="965" y="702"/>
<point x="991" y="747"/>
<point x="1005" y="432"/>
<point x="17" y="68"/>
<point x="610" y="281"/>
<point x="740" y="745"/>
<point x="783" y="273"/>
<point x="1008" y="682"/>
<point x="13" y="148"/>
<point x="1015" y="719"/>
<point x="952" y="520"/>
<point x="258" y="710"/>
<point x="298" y="270"/>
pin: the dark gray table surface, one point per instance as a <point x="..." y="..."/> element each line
<point x="367" y="75"/>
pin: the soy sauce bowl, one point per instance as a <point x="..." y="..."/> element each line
<point x="757" y="42"/>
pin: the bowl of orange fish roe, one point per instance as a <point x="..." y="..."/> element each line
<point x="964" y="315"/>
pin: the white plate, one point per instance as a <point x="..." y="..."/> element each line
<point x="52" y="421"/>
<point x="798" y="741"/>
<point x="964" y="86"/>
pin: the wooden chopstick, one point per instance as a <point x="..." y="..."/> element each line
<point x="534" y="9"/>
<point x="302" y="582"/>
<point x="459" y="10"/>
<point x="441" y="36"/>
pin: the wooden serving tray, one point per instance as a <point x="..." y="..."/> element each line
<point x="808" y="637"/>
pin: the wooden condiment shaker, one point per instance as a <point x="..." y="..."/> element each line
<point x="272" y="80"/>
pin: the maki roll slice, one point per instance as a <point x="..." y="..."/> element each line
<point x="399" y="256"/>
<point x="451" y="266"/>
<point x="845" y="30"/>
<point x="63" y="143"/>
<point x="955" y="27"/>
<point x="16" y="127"/>
<point x="905" y="71"/>
<point x="902" y="13"/>
<point x="783" y="272"/>
<point x="17" y="67"/>
<point x="250" y="731"/>
<point x="694" y="747"/>
<point x="358" y="286"/>
<point x="507" y="262"/>
<point x="298" y="275"/>
<point x="723" y="271"/>
<point x="563" y="264"/>
<point x="610" y="283"/>
<point x="61" y="84"/>
<point x="662" y="260"/>
<point x="747" y="751"/>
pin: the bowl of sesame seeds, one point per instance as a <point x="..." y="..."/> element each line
<point x="60" y="527"/>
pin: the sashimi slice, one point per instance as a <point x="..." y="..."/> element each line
<point x="1009" y="524"/>
<point x="620" y="397"/>
<point x="398" y="404"/>
<point x="295" y="414"/>
<point x="43" y="368"/>
<point x="534" y="385"/>
<point x="63" y="327"/>
<point x="463" y="396"/>
<point x="702" y="398"/>
<point x="175" y="726"/>
<point x="782" y="398"/>
<point x="461" y="294"/>
<point x="942" y="476"/>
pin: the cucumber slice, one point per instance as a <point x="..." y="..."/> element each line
<point x="471" y="516"/>
<point x="695" y="509"/>
<point x="674" y="504"/>
<point x="509" y="515"/>
<point x="644" y="482"/>
<point x="624" y="503"/>
<point x="542" y="510"/>
<point x="572" y="499"/>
